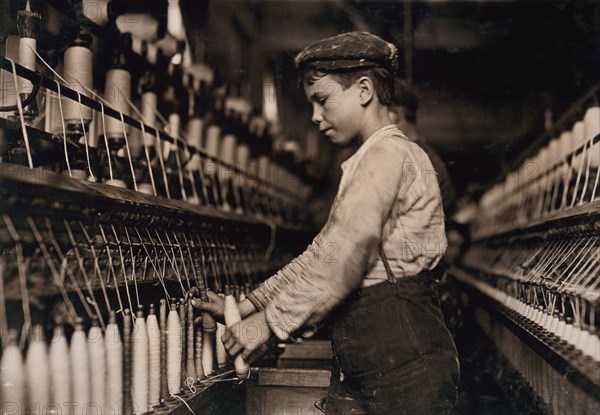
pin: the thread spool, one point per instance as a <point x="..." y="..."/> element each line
<point x="11" y="52"/>
<point x="116" y="183"/>
<point x="145" y="188"/>
<point x="28" y="23"/>
<point x="153" y="358"/>
<point x="578" y="137"/>
<point x="211" y="146"/>
<point x="96" y="11"/>
<point x="556" y="173"/>
<point x="560" y="330"/>
<point x="141" y="25"/>
<point x="175" y="24"/>
<point x="37" y="371"/>
<point x="221" y="352"/>
<point x="583" y="340"/>
<point x="194" y="136"/>
<point x="569" y="331"/>
<point x="80" y="370"/>
<point x="27" y="58"/>
<point x="228" y="149"/>
<point x="149" y="103"/>
<point x="174" y="129"/>
<point x="242" y="157"/>
<point x="152" y="53"/>
<point x="12" y="371"/>
<point x="205" y="341"/>
<point x="78" y="72"/>
<point x="127" y="402"/>
<point x="213" y="132"/>
<point x="576" y="334"/>
<point x="253" y="167"/>
<point x="114" y="366"/>
<point x="232" y="316"/>
<point x="264" y="168"/>
<point x="140" y="368"/>
<point x="182" y="320"/>
<point x="592" y="129"/>
<point x="97" y="354"/>
<point x="198" y="356"/>
<point x="164" y="386"/>
<point x="190" y="362"/>
<point x="554" y="324"/>
<point x="208" y="351"/>
<point x="60" y="368"/>
<point x="593" y="345"/>
<point x="174" y="351"/>
<point x="117" y="92"/>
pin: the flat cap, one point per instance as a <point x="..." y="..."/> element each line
<point x="352" y="50"/>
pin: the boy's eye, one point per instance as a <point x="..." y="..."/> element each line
<point x="321" y="99"/>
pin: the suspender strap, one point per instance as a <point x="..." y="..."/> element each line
<point x="388" y="269"/>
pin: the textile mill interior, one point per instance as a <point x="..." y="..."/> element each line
<point x="299" y="207"/>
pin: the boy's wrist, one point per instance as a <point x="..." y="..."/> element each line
<point x="246" y="308"/>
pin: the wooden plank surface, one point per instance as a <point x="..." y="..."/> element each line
<point x="280" y="400"/>
<point x="293" y="377"/>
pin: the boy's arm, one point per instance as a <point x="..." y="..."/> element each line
<point x="348" y="243"/>
<point x="264" y="294"/>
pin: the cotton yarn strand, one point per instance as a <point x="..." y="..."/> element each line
<point x="139" y="354"/>
<point x="97" y="364"/>
<point x="38" y="373"/>
<point x="153" y="358"/>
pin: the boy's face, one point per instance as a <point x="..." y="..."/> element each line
<point x="337" y="111"/>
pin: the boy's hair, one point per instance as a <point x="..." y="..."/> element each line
<point x="383" y="80"/>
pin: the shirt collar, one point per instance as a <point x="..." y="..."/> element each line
<point x="373" y="138"/>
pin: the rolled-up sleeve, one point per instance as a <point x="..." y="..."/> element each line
<point x="334" y="264"/>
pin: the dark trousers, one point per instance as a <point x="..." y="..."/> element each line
<point x="393" y="352"/>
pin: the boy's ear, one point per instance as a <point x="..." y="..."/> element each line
<point x="367" y="90"/>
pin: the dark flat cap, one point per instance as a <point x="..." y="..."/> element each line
<point x="353" y="50"/>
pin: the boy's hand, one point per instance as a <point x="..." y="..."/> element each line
<point x="247" y="335"/>
<point x="215" y="305"/>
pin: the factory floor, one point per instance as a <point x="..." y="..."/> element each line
<point x="488" y="386"/>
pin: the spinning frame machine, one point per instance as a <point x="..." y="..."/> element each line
<point x="102" y="244"/>
<point x="532" y="270"/>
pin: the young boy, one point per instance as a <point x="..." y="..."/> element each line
<point x="372" y="268"/>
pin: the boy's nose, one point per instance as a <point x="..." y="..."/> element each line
<point x="317" y="115"/>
